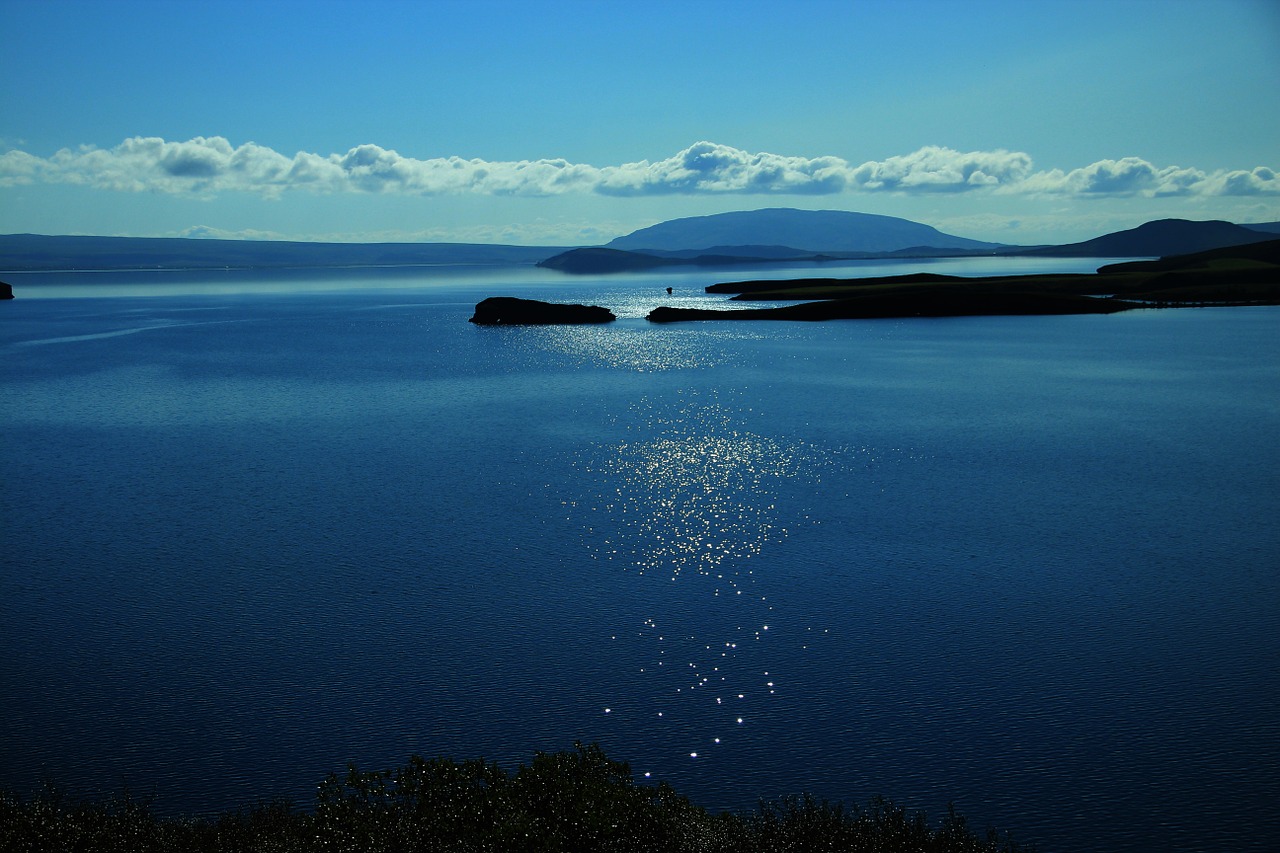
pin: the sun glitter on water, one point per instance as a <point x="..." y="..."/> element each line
<point x="688" y="495"/>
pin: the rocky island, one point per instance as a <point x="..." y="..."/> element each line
<point x="512" y="311"/>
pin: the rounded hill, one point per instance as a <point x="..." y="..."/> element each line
<point x="805" y="230"/>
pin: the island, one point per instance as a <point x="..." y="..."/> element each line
<point x="513" y="311"/>
<point x="6" y="291"/>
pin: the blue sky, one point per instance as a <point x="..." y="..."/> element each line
<point x="572" y="122"/>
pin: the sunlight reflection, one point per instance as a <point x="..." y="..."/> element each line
<point x="639" y="347"/>
<point x="692" y="493"/>
<point x="688" y="495"/>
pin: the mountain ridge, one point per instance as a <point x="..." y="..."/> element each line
<point x="1159" y="238"/>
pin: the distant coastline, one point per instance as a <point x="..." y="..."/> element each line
<point x="745" y="238"/>
<point x="41" y="253"/>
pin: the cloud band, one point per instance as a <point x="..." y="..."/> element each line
<point x="212" y="165"/>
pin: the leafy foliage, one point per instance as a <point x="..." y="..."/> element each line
<point x="576" y="801"/>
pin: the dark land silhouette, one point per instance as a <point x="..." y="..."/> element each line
<point x="1236" y="275"/>
<point x="512" y="311"/>
<point x="929" y="301"/>
<point x="1246" y="274"/>
<point x="1159" y="238"/>
<point x="576" y="801"/>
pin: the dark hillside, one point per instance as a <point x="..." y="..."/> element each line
<point x="1266" y="252"/>
<point x="1157" y="239"/>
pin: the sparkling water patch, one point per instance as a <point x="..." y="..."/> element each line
<point x="691" y="491"/>
<point x="688" y="499"/>
<point x="638" y="346"/>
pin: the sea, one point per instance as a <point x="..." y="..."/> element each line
<point x="261" y="526"/>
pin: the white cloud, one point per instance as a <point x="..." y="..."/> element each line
<point x="707" y="167"/>
<point x="19" y="167"/>
<point x="935" y="169"/>
<point x="1258" y="181"/>
<point x="1133" y="176"/>
<point x="206" y="166"/>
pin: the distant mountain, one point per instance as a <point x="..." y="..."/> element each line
<point x="1269" y="227"/>
<point x="1158" y="239"/>
<point x="597" y="259"/>
<point x="39" y="252"/>
<point x="807" y="231"/>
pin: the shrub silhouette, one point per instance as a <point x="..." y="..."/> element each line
<point x="575" y="801"/>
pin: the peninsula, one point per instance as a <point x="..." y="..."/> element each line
<point x="1235" y="275"/>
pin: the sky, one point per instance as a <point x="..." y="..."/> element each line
<point x="571" y="122"/>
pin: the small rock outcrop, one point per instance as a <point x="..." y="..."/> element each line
<point x="6" y="291"/>
<point x="511" y="311"/>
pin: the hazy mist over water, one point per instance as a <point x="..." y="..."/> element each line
<point x="259" y="526"/>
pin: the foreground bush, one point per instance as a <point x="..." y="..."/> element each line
<point x="575" y="802"/>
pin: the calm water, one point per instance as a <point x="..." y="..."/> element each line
<point x="257" y="528"/>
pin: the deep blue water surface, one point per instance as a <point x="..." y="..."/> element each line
<point x="256" y="528"/>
